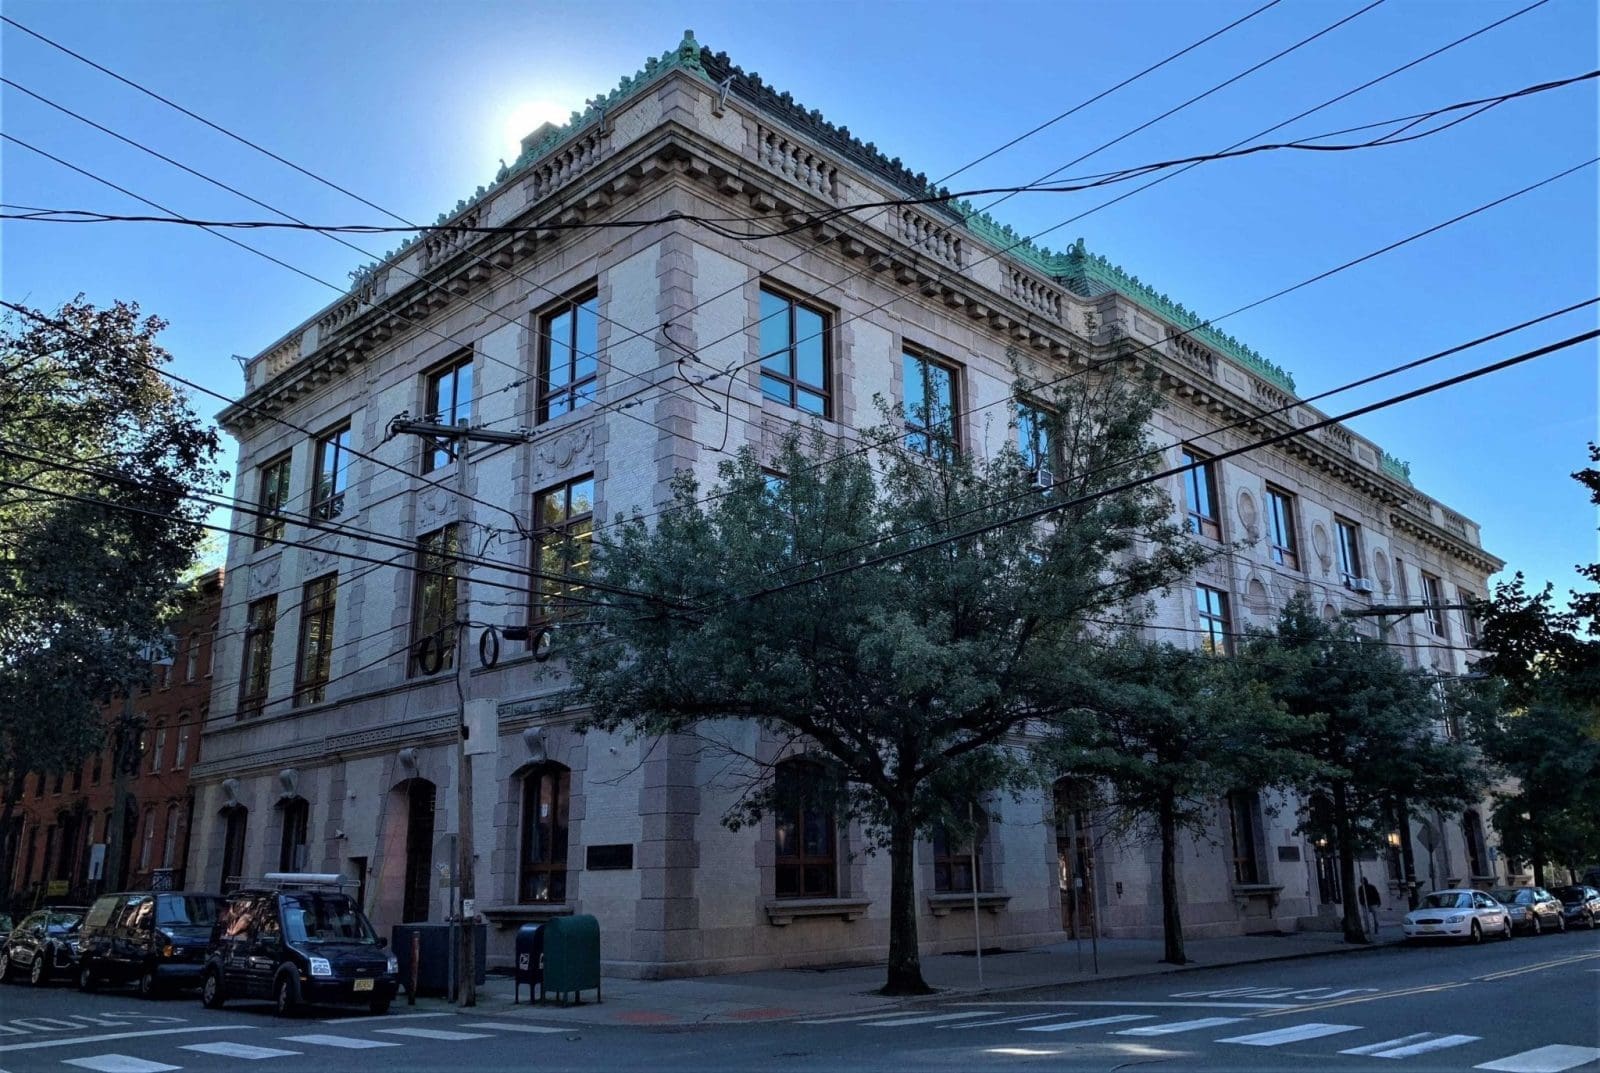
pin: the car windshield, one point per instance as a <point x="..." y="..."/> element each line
<point x="181" y="909"/>
<point x="325" y="918"/>
<point x="1508" y="896"/>
<point x="1572" y="895"/>
<point x="64" y="921"/>
<point x="1447" y="899"/>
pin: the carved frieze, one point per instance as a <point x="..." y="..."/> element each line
<point x="264" y="577"/>
<point x="573" y="447"/>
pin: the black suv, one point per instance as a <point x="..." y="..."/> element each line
<point x="158" y="939"/>
<point x="302" y="942"/>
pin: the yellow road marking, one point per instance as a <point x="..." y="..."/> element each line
<point x="1557" y="963"/>
<point x="1426" y="989"/>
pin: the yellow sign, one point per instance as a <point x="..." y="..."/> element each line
<point x="56" y="888"/>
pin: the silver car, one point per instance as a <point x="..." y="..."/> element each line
<point x="1457" y="914"/>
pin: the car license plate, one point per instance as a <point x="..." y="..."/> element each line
<point x="363" y="985"/>
<point x="1431" y="927"/>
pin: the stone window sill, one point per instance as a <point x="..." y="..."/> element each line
<point x="784" y="911"/>
<point x="945" y="904"/>
<point x="1243" y="892"/>
<point x="506" y="916"/>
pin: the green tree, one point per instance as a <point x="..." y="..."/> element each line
<point x="82" y="582"/>
<point x="1169" y="732"/>
<point x="888" y="613"/>
<point x="1372" y="734"/>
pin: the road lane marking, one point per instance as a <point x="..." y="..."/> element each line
<point x="1294" y="1034"/>
<point x="238" y="1050"/>
<point x="1065" y="1025"/>
<point x="1556" y="964"/>
<point x="1410" y="1046"/>
<point x="1382" y="995"/>
<point x="387" y="1017"/>
<point x="119" y="1063"/>
<point x="48" y="1024"/>
<point x="1002" y="1021"/>
<point x="1059" y="1004"/>
<point x="1174" y="1027"/>
<point x="432" y="1033"/>
<point x="928" y="1020"/>
<point x="1373" y="1048"/>
<point x="507" y="1026"/>
<point x="856" y="1017"/>
<point x="1551" y="1059"/>
<point x="107" y="1037"/>
<point x="349" y="1043"/>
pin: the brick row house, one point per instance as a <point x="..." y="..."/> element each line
<point x="61" y="828"/>
<point x="333" y="743"/>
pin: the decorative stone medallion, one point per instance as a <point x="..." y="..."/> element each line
<point x="264" y="576"/>
<point x="1319" y="541"/>
<point x="1380" y="567"/>
<point x="1249" y="517"/>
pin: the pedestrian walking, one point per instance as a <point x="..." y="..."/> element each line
<point x="1367" y="896"/>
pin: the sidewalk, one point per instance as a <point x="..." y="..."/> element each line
<point x="788" y="993"/>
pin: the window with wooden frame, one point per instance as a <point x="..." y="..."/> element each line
<point x="1216" y="631"/>
<point x="1433" y="598"/>
<point x="952" y="858"/>
<point x="563" y="523"/>
<point x="796" y="353"/>
<point x="542" y="858"/>
<point x="180" y="756"/>
<point x="1281" y="542"/>
<point x="314" y="654"/>
<point x="158" y="751"/>
<point x="333" y="459"/>
<point x="805" y="844"/>
<point x="1244" y="826"/>
<point x="256" y="668"/>
<point x="930" y="402"/>
<point x="1200" y="487"/>
<point x="449" y="402"/>
<point x="569" y="356"/>
<point x="1469" y="618"/>
<point x="433" y="602"/>
<point x="1348" y="534"/>
<point x="271" y="500"/>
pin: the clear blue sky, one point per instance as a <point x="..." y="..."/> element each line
<point x="412" y="105"/>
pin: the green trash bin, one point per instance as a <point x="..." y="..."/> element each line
<point x="572" y="957"/>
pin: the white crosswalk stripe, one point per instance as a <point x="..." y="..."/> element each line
<point x="1116" y="1019"/>
<point x="929" y="1019"/>
<point x="1174" y="1027"/>
<point x="238" y="1050"/>
<point x="1398" y="1041"/>
<point x="1294" y="1034"/>
<point x="1410" y="1046"/>
<point x="118" y="1063"/>
<point x="433" y="1033"/>
<point x="350" y="1043"/>
<point x="1002" y="1021"/>
<point x="506" y="1026"/>
<point x="858" y="1017"/>
<point x="1551" y="1059"/>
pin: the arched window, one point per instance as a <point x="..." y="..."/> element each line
<point x="169" y="848"/>
<point x="804" y="837"/>
<point x="542" y="867"/>
<point x="147" y="840"/>
<point x="296" y="830"/>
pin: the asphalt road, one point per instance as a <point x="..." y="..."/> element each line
<point x="1527" y="1006"/>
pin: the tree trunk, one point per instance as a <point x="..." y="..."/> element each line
<point x="1538" y="850"/>
<point x="1171" y="918"/>
<point x="1344" y="840"/>
<point x="8" y="809"/>
<point x="905" y="962"/>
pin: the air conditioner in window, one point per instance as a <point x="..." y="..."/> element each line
<point x="1043" y="480"/>
<point x="1360" y="584"/>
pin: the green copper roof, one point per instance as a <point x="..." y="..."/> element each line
<point x="1396" y="468"/>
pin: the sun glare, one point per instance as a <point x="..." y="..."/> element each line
<point x="525" y="118"/>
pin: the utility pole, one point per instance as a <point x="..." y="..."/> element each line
<point x="466" y="958"/>
<point x="125" y="759"/>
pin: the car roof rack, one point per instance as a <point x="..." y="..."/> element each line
<point x="323" y="881"/>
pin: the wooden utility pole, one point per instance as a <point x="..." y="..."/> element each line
<point x="467" y="950"/>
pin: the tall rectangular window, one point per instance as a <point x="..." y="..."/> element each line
<point x="158" y="751"/>
<point x="1200" y="484"/>
<point x="1034" y="437"/>
<point x="930" y="404"/>
<point x="1244" y="823"/>
<point x="563" y="522"/>
<point x="1349" y="535"/>
<point x="256" y="668"/>
<point x="333" y="462"/>
<point x="1280" y="529"/>
<point x="449" y="403"/>
<point x="569" y="359"/>
<point x="433" y="603"/>
<point x="1216" y="634"/>
<point x="795" y="356"/>
<point x="953" y="859"/>
<point x="1433" y="597"/>
<point x="1469" y="619"/>
<point x="314" y="654"/>
<point x="181" y="757"/>
<point x="274" y="495"/>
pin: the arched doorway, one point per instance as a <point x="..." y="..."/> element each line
<point x="1075" y="854"/>
<point x="420" y="794"/>
<point x="234" y="819"/>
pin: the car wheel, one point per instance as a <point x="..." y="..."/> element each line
<point x="39" y="971"/>
<point x="87" y="980"/>
<point x="1535" y="928"/>
<point x="149" y="986"/>
<point x="286" y="996"/>
<point x="1509" y="932"/>
<point x="1591" y="920"/>
<point x="1561" y="924"/>
<point x="211" y="996"/>
<point x="380" y="1006"/>
<point x="1477" y="933"/>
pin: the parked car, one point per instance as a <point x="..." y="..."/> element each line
<point x="1533" y="909"/>
<point x="1580" y="905"/>
<point x="302" y="941"/>
<point x="42" y="945"/>
<point x="5" y="928"/>
<point x="1457" y="914"/>
<point x="158" y="940"/>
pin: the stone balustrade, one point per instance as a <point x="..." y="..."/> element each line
<point x="797" y="162"/>
<point x="1037" y="295"/>
<point x="935" y="240"/>
<point x="440" y="245"/>
<point x="571" y="160"/>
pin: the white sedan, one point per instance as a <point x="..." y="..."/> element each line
<point x="1458" y="914"/>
